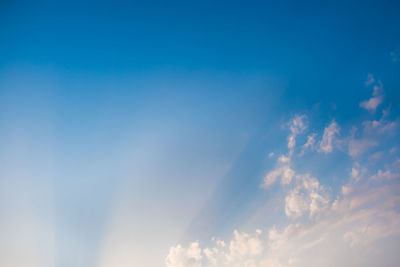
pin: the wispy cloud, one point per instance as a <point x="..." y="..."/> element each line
<point x="309" y="144"/>
<point x="377" y="95"/>
<point x="285" y="173"/>
<point x="297" y="125"/>
<point x="370" y="134"/>
<point x="328" y="138"/>
<point x="358" y="147"/>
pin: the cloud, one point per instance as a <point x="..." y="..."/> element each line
<point x="360" y="219"/>
<point x="371" y="134"/>
<point x="309" y="144"/>
<point x="375" y="100"/>
<point x="184" y="257"/>
<point x="243" y="247"/>
<point x="358" y="147"/>
<point x="385" y="175"/>
<point x="284" y="159"/>
<point x="357" y="226"/>
<point x="381" y="126"/>
<point x="356" y="221"/>
<point x="328" y="138"/>
<point x="297" y="125"/>
<point x="285" y="173"/>
<point x="307" y="196"/>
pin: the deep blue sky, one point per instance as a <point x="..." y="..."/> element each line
<point x="304" y="43"/>
<point x="278" y="36"/>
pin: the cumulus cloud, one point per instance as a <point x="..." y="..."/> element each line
<point x="328" y="138"/>
<point x="184" y="257"/>
<point x="243" y="247"/>
<point x="307" y="196"/>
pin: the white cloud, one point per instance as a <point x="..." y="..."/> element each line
<point x="328" y="138"/>
<point x="244" y="250"/>
<point x="309" y="144"/>
<point x="307" y="196"/>
<point x="271" y="177"/>
<point x="184" y="257"/>
<point x="284" y="159"/>
<point x="297" y="125"/>
<point x="285" y="173"/>
<point x="244" y="247"/>
<point x="295" y="204"/>
<point x="375" y="100"/>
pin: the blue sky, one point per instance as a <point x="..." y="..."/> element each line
<point x="145" y="134"/>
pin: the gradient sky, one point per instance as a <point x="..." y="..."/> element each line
<point x="146" y="134"/>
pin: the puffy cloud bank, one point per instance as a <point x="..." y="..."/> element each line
<point x="359" y="226"/>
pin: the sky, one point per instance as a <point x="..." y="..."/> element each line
<point x="199" y="133"/>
